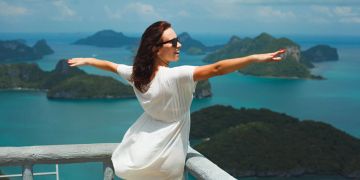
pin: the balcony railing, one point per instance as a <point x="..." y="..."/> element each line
<point x="27" y="156"/>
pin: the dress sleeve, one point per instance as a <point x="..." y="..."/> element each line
<point x="125" y="72"/>
<point x="185" y="77"/>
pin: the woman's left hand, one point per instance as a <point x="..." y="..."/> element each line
<point x="269" y="57"/>
<point x="78" y="61"/>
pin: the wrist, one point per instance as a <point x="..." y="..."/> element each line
<point x="90" y="61"/>
<point x="253" y="58"/>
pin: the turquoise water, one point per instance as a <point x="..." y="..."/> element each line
<point x="29" y="118"/>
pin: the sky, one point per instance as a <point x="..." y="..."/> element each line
<point x="307" y="17"/>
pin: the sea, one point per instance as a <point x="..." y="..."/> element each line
<point x="28" y="118"/>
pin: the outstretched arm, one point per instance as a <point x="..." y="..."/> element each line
<point x="101" y="64"/>
<point x="230" y="65"/>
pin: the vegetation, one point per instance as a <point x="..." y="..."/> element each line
<point x="90" y="86"/>
<point x="108" y="38"/>
<point x="62" y="82"/>
<point x="203" y="89"/>
<point x="251" y="142"/>
<point x="291" y="66"/>
<point x="319" y="53"/>
<point x="17" y="50"/>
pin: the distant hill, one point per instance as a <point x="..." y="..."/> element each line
<point x="17" y="50"/>
<point x="292" y="66"/>
<point x="194" y="47"/>
<point x="260" y="142"/>
<point x="108" y="38"/>
<point x="203" y="89"/>
<point x="318" y="53"/>
<point x="62" y="82"/>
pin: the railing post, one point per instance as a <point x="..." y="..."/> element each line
<point x="108" y="170"/>
<point x="27" y="172"/>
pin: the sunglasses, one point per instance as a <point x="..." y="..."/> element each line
<point x="173" y="42"/>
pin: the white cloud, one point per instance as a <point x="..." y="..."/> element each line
<point x="344" y="11"/>
<point x="183" y="13"/>
<point x="270" y="14"/>
<point x="323" y="10"/>
<point x="141" y="9"/>
<point x="342" y="14"/>
<point x="112" y="14"/>
<point x="287" y="2"/>
<point x="131" y="10"/>
<point x="351" y="20"/>
<point x="64" y="9"/>
<point x="66" y="13"/>
<point x="11" y="10"/>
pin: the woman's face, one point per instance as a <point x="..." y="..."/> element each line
<point x="167" y="52"/>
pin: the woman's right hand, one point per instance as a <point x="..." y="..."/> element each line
<point x="269" y="57"/>
<point x="78" y="61"/>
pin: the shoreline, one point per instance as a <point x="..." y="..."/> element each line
<point x="23" y="89"/>
<point x="285" y="77"/>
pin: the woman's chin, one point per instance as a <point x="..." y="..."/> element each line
<point x="176" y="58"/>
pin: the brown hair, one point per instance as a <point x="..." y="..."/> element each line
<point x="144" y="60"/>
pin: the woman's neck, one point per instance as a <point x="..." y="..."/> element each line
<point x="161" y="62"/>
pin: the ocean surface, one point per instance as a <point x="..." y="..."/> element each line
<point x="28" y="118"/>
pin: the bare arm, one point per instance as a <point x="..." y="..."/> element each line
<point x="230" y="65"/>
<point x="101" y="64"/>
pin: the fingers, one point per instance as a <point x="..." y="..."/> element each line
<point x="279" y="52"/>
<point x="71" y="62"/>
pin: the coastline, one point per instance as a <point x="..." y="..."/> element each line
<point x="312" y="77"/>
<point x="23" y="89"/>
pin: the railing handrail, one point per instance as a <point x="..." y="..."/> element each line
<point x="196" y="164"/>
<point x="51" y="154"/>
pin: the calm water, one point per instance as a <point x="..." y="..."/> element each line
<point x="29" y="118"/>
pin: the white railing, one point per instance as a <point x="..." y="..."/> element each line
<point x="196" y="164"/>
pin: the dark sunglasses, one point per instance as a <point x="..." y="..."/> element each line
<point x="173" y="42"/>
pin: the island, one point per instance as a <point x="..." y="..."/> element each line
<point x="194" y="47"/>
<point x="318" y="53"/>
<point x="65" y="82"/>
<point x="203" y="89"/>
<point x="16" y="50"/>
<point x="292" y="65"/>
<point x="259" y="142"/>
<point x="108" y="38"/>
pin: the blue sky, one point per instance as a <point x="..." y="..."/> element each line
<point x="317" y="17"/>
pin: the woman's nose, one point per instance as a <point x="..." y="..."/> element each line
<point x="178" y="45"/>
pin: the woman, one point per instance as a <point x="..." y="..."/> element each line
<point x="155" y="146"/>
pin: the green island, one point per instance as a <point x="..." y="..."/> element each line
<point x="294" y="64"/>
<point x="203" y="89"/>
<point x="260" y="142"/>
<point x="17" y="50"/>
<point x="65" y="82"/>
<point x="318" y="53"/>
<point x="108" y="38"/>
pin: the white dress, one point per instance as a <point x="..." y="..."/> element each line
<point x="155" y="146"/>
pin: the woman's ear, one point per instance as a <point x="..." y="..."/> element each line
<point x="153" y="49"/>
<point x="156" y="50"/>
